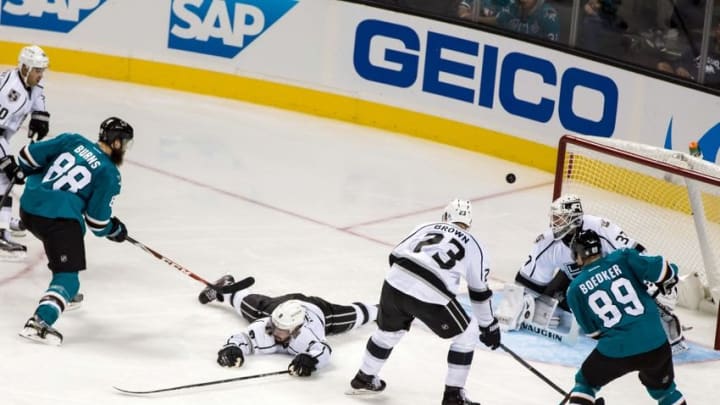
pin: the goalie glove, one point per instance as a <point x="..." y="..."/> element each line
<point x="231" y="356"/>
<point x="666" y="287"/>
<point x="39" y="125"/>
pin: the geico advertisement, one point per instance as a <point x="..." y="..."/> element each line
<point x="376" y="55"/>
<point x="522" y="89"/>
<point x="466" y="71"/>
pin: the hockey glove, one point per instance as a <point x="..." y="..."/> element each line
<point x="302" y="365"/>
<point x="490" y="335"/>
<point x="11" y="169"/>
<point x="666" y="287"/>
<point x="39" y="125"/>
<point x="231" y="356"/>
<point x="118" y="231"/>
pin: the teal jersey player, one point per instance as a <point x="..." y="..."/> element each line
<point x="71" y="185"/>
<point x="70" y="177"/>
<point x="610" y="301"/>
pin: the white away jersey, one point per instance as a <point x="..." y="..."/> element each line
<point x="430" y="263"/>
<point x="549" y="254"/>
<point x="16" y="102"/>
<point x="257" y="338"/>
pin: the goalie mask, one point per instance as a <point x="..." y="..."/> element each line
<point x="286" y="320"/>
<point x="458" y="211"/>
<point x="566" y="215"/>
<point x="586" y="243"/>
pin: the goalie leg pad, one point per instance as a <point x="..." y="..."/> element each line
<point x="544" y="315"/>
<point x="515" y="307"/>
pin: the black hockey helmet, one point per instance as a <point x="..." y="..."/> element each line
<point x="115" y="128"/>
<point x="586" y="243"/>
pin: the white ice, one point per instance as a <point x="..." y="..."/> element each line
<point x="303" y="204"/>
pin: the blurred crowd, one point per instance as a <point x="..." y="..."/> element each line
<point x="672" y="37"/>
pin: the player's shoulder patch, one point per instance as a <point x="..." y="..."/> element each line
<point x="540" y="238"/>
<point x="604" y="223"/>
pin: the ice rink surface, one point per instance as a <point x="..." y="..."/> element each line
<point x="303" y="204"/>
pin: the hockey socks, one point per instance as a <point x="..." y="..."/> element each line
<point x="63" y="287"/>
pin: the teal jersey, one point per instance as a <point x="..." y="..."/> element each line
<point x="69" y="176"/>
<point x="610" y="302"/>
<point x="541" y="21"/>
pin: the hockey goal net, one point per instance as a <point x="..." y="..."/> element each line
<point x="667" y="200"/>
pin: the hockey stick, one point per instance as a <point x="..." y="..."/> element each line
<point x="534" y="371"/>
<point x="242" y="284"/>
<point x="7" y="192"/>
<point x="180" y="387"/>
<point x="566" y="395"/>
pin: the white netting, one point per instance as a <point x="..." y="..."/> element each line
<point x="652" y="204"/>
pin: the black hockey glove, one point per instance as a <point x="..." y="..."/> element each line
<point x="39" y="125"/>
<point x="231" y="355"/>
<point x="11" y="169"/>
<point x="490" y="335"/>
<point x="667" y="286"/>
<point x="118" y="231"/>
<point x="302" y="365"/>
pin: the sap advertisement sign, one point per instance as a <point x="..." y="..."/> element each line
<point x="47" y="15"/>
<point x="222" y="27"/>
<point x="408" y="58"/>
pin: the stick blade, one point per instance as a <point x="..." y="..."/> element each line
<point x="247" y="282"/>
<point x="130" y="392"/>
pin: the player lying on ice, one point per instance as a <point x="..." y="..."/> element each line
<point x="294" y="324"/>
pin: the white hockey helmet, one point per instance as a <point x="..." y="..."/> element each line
<point x="566" y="215"/>
<point x="288" y="315"/>
<point x="458" y="211"/>
<point x="33" y="56"/>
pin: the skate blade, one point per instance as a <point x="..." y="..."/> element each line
<point x="361" y="391"/>
<point x="18" y="233"/>
<point x="49" y="339"/>
<point x="76" y="302"/>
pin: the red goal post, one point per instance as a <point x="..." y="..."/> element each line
<point x="667" y="200"/>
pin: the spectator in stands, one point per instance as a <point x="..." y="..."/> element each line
<point x="603" y="29"/>
<point x="530" y="17"/>
<point x="481" y="11"/>
<point x="442" y="8"/>
<point x="687" y="66"/>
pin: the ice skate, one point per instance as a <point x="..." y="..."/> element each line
<point x="209" y="294"/>
<point x="364" y="384"/>
<point x="17" y="228"/>
<point x="75" y="302"/>
<point x="9" y="250"/>
<point x="456" y="396"/>
<point x="36" y="329"/>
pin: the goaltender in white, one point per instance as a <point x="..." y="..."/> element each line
<point x="539" y="297"/>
